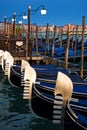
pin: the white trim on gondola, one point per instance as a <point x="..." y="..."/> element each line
<point x="74" y="117"/>
<point x="57" y="109"/>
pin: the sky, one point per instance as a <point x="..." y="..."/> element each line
<point x="59" y="12"/>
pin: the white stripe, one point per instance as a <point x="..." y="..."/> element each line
<point x="58" y="102"/>
<point x="58" y="97"/>
<point x="57" y="112"/>
<point x="56" y="116"/>
<point x="26" y="94"/>
<point x="25" y="97"/>
<point x="26" y="90"/>
<point x="75" y="100"/>
<point x="57" y="107"/>
<point x="57" y="121"/>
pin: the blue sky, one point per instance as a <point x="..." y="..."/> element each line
<point x="59" y="12"/>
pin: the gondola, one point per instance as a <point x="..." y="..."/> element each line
<point x="6" y="61"/>
<point x="17" y="72"/>
<point x="44" y="104"/>
<point x="1" y="54"/>
<point x="66" y="107"/>
<point x="44" y="72"/>
<point x="39" y="88"/>
<point x="49" y="108"/>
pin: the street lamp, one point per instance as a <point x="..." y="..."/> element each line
<point x="20" y="21"/>
<point x="32" y="12"/>
<point x="43" y="10"/>
<point x="23" y="14"/>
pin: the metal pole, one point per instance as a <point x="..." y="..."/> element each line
<point x="28" y="34"/>
<point x="14" y="19"/>
<point x="29" y="22"/>
<point x="5" y="25"/>
<point x="29" y="40"/>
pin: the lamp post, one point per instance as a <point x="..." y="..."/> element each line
<point x="28" y="41"/>
<point x="9" y="21"/>
<point x="29" y="21"/>
<point x="32" y="12"/>
<point x="29" y="47"/>
<point x="5" y="25"/>
<point x="14" y="20"/>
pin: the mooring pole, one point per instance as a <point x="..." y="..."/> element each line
<point x="53" y="44"/>
<point x="82" y="47"/>
<point x="67" y="47"/>
<point x="75" y="44"/>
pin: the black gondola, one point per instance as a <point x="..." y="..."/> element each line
<point x="43" y="103"/>
<point x="44" y="72"/>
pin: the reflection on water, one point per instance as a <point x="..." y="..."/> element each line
<point x="14" y="110"/>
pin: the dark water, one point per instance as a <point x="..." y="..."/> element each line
<point x="14" y="110"/>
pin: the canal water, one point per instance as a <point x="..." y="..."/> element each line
<point x="14" y="110"/>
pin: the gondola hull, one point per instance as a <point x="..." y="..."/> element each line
<point x="42" y="73"/>
<point x="42" y="108"/>
<point x="42" y="104"/>
<point x="14" y="76"/>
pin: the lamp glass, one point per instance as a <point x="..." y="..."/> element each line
<point x="24" y="16"/>
<point x="20" y="22"/>
<point x="13" y="20"/>
<point x="43" y="11"/>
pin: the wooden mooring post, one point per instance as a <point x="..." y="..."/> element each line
<point x="53" y="46"/>
<point x="75" y="44"/>
<point x="47" y="38"/>
<point x="82" y="47"/>
<point x="26" y="46"/>
<point x="36" y="40"/>
<point x="61" y="32"/>
<point x="67" y="47"/>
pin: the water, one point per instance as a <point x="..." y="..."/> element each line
<point x="14" y="110"/>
